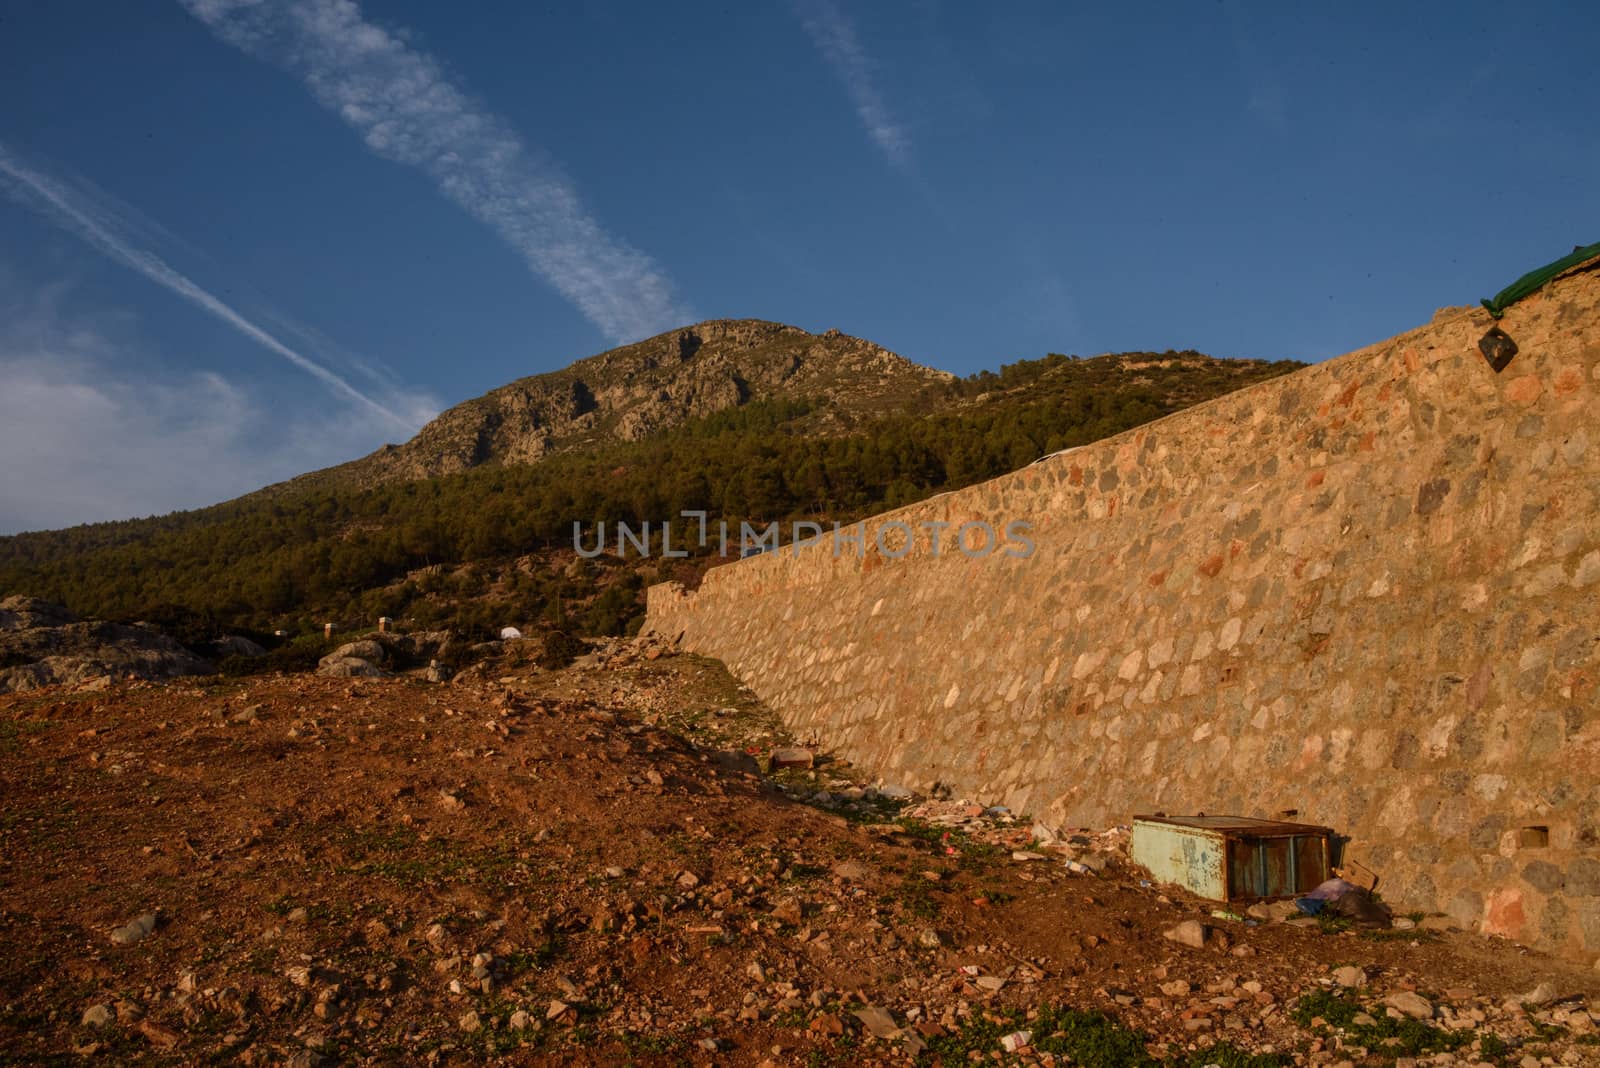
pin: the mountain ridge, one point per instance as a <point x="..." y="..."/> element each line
<point x="631" y="391"/>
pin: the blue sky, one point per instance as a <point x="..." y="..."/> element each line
<point x="244" y="238"/>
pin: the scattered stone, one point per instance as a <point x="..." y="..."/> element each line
<point x="789" y="911"/>
<point x="1350" y="976"/>
<point x="1411" y="1004"/>
<point x="1273" y="911"/>
<point x="852" y="870"/>
<point x="98" y="1016"/>
<point x="878" y="1022"/>
<point x="158" y="1037"/>
<point x="792" y="758"/>
<point x="1539" y="996"/>
<point x="306" y="986"/>
<point x="1188" y="933"/>
<point x="135" y="930"/>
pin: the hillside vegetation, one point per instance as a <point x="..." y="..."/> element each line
<point x="493" y="543"/>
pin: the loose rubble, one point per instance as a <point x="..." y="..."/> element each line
<point x="604" y="864"/>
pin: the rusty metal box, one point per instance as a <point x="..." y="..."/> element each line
<point x="1233" y="858"/>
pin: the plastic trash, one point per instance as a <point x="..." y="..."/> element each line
<point x="1016" y="1040"/>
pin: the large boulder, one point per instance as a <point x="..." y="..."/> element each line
<point x="421" y="646"/>
<point x="358" y="659"/>
<point x="235" y="645"/>
<point x="349" y="667"/>
<point x="364" y="649"/>
<point x="384" y="653"/>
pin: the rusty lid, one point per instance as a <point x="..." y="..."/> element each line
<point x="1245" y="825"/>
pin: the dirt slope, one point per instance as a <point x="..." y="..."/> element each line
<point x="579" y="867"/>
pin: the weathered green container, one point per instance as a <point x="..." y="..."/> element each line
<point x="1233" y="858"/>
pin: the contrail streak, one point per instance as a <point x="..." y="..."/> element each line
<point x="835" y="37"/>
<point x="406" y="109"/>
<point x="97" y="227"/>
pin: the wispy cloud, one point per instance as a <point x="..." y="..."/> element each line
<point x="95" y="428"/>
<point x="406" y="109"/>
<point x="835" y="37"/>
<point x="99" y="223"/>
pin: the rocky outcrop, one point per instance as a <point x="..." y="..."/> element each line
<point x="43" y="644"/>
<point x="235" y="645"/>
<point x="380" y="654"/>
<point x="633" y="391"/>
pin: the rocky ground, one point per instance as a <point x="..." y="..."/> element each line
<point x="592" y="866"/>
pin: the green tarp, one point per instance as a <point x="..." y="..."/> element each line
<point x="1531" y="281"/>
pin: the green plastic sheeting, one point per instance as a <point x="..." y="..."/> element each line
<point x="1531" y="281"/>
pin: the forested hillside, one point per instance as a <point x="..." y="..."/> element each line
<point x="494" y="543"/>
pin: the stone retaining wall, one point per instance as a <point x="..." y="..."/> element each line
<point x="1368" y="592"/>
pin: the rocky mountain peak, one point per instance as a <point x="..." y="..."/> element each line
<point x="634" y="390"/>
